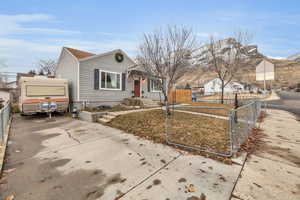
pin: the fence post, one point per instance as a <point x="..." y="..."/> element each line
<point x="2" y="126"/>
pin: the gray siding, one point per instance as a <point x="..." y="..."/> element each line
<point x="108" y="63"/>
<point x="151" y="95"/>
<point x="68" y="69"/>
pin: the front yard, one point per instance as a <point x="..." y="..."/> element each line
<point x="206" y="133"/>
<point x="207" y="108"/>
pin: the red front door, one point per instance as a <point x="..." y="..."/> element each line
<point x="137" y="88"/>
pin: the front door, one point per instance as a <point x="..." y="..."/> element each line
<point x="137" y="88"/>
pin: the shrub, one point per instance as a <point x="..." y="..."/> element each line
<point x="132" y="102"/>
<point x="15" y="108"/>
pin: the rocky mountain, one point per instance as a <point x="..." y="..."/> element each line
<point x="287" y="72"/>
<point x="295" y="57"/>
<point x="201" y="56"/>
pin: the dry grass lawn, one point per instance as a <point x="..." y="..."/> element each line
<point x="188" y="129"/>
<point x="217" y="108"/>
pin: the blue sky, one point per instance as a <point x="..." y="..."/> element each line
<point x="33" y="29"/>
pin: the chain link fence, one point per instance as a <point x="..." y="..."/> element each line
<point x="242" y="121"/>
<point x="4" y="121"/>
<point x="216" y="130"/>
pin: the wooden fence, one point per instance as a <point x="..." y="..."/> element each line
<point x="180" y="96"/>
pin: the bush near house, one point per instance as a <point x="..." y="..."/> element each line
<point x="132" y="102"/>
<point x="15" y="108"/>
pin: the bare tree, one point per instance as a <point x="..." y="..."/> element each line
<point x="46" y="66"/>
<point x="227" y="57"/>
<point x="164" y="56"/>
<point x="32" y="71"/>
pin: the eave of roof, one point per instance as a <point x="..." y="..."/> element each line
<point x="79" y="54"/>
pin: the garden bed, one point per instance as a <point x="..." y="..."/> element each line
<point x="189" y="129"/>
<point x="111" y="108"/>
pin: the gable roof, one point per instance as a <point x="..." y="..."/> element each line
<point x="78" y="53"/>
<point x="83" y="55"/>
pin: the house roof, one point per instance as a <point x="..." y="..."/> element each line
<point x="79" y="54"/>
<point x="83" y="55"/>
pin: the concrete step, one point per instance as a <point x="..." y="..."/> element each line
<point x="113" y="114"/>
<point x="149" y="103"/>
<point x="108" y="116"/>
<point x="103" y="120"/>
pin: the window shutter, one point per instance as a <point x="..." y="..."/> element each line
<point x="123" y="81"/>
<point x="96" y="79"/>
<point x="148" y="84"/>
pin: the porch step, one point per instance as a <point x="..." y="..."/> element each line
<point x="149" y="103"/>
<point x="103" y="120"/>
<point x="113" y="114"/>
<point x="109" y="116"/>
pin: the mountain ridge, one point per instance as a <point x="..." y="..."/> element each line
<point x="287" y="71"/>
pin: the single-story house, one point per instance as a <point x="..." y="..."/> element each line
<point x="103" y="79"/>
<point x="214" y="86"/>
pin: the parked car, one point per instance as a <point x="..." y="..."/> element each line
<point x="41" y="94"/>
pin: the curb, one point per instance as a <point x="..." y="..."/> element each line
<point x="2" y="154"/>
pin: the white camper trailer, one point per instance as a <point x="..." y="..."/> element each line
<point x="41" y="94"/>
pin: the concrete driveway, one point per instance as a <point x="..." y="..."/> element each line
<point x="71" y="159"/>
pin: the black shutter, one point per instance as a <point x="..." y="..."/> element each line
<point x="96" y="79"/>
<point x="123" y="81"/>
<point x="148" y="84"/>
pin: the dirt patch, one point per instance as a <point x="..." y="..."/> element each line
<point x="149" y="187"/>
<point x="163" y="161"/>
<point x="156" y="182"/>
<point x="181" y="180"/>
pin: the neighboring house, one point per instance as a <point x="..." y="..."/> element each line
<point x="214" y="86"/>
<point x="107" y="78"/>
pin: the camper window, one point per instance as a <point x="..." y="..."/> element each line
<point x="39" y="90"/>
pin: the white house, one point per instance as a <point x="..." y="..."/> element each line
<point x="214" y="86"/>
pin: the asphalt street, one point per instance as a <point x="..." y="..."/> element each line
<point x="289" y="101"/>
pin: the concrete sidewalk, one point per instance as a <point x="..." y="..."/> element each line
<point x="71" y="159"/>
<point x="274" y="172"/>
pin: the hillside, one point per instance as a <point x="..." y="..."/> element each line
<point x="295" y="57"/>
<point x="287" y="72"/>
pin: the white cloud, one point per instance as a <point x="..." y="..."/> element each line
<point x="21" y="54"/>
<point x="14" y="24"/>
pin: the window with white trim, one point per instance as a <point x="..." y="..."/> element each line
<point x="110" y="80"/>
<point x="155" y="85"/>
